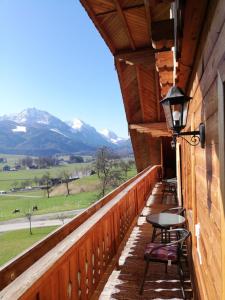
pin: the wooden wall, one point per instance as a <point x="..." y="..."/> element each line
<point x="201" y="168"/>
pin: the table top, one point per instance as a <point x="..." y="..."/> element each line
<point x="165" y="219"/>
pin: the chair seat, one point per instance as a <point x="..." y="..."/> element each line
<point x="165" y="253"/>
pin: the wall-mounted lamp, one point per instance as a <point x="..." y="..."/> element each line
<point x="175" y="106"/>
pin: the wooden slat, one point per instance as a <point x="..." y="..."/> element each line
<point x="127" y="8"/>
<point x="140" y="88"/>
<point x="158" y="98"/>
<point x="148" y="18"/>
<point x="191" y="33"/>
<point x="221" y="193"/>
<point x="124" y="21"/>
<point x="98" y="25"/>
<point x="155" y="129"/>
<point x="140" y="56"/>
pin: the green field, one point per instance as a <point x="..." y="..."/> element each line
<point x="14" y="242"/>
<point x="44" y="204"/>
<point x="84" y="192"/>
<point x="8" y="178"/>
<point x="11" y="159"/>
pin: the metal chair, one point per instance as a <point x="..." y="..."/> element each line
<point x="179" y="210"/>
<point x="169" y="188"/>
<point x="170" y="253"/>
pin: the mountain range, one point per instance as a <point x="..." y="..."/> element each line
<point x="36" y="132"/>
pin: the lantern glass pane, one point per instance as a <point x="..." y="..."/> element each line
<point x="168" y="114"/>
<point x="177" y="115"/>
<point x="185" y="112"/>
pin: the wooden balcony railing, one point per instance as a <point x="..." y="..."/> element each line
<point x="70" y="262"/>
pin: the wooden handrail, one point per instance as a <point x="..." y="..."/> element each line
<point x="19" y="264"/>
<point x="83" y="248"/>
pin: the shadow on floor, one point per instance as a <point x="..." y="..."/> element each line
<point x="125" y="282"/>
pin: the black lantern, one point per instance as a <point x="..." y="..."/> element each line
<point x="175" y="106"/>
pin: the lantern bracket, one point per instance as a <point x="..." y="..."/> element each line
<point x="196" y="136"/>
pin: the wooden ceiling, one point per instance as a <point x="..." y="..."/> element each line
<point x="140" y="34"/>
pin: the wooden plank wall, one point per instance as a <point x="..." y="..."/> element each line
<point x="200" y="167"/>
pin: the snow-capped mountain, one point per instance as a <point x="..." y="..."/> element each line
<point x="30" y="116"/>
<point x="111" y="136"/>
<point x="36" y="132"/>
<point x="76" y="124"/>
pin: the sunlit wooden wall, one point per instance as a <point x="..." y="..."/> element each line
<point x="201" y="168"/>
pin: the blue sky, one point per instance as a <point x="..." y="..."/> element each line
<point x="53" y="58"/>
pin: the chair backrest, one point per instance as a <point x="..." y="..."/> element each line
<point x="179" y="210"/>
<point x="183" y="235"/>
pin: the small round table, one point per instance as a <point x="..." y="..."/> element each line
<point x="164" y="221"/>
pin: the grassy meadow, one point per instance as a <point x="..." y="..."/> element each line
<point x="14" y="242"/>
<point x="9" y="177"/>
<point x="84" y="192"/>
<point x="45" y="205"/>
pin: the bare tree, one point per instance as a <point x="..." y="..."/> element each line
<point x="65" y="175"/>
<point x="109" y="175"/>
<point x="46" y="180"/>
<point x="125" y="166"/>
<point x="29" y="216"/>
<point x="61" y="217"/>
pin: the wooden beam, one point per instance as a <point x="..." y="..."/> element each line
<point x="163" y="30"/>
<point x="148" y="18"/>
<point x="157" y="88"/>
<point x="164" y="60"/>
<point x="98" y="24"/>
<point x="155" y="129"/>
<point x="165" y="89"/>
<point x="140" y="88"/>
<point x="178" y="10"/>
<point x="191" y="33"/>
<point x="142" y="56"/>
<point x="125" y="24"/>
<point x="124" y="9"/>
<point x="153" y="3"/>
<point x="125" y="97"/>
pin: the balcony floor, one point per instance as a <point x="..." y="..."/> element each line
<point x="124" y="283"/>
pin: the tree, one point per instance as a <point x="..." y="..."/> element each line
<point x="76" y="159"/>
<point x="27" y="161"/>
<point x="36" y="180"/>
<point x="15" y="184"/>
<point x="25" y="183"/>
<point x="45" y="162"/>
<point x="46" y="180"/>
<point x="29" y="216"/>
<point x="65" y="175"/>
<point x="109" y="175"/>
<point x="61" y="217"/>
<point x="125" y="166"/>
